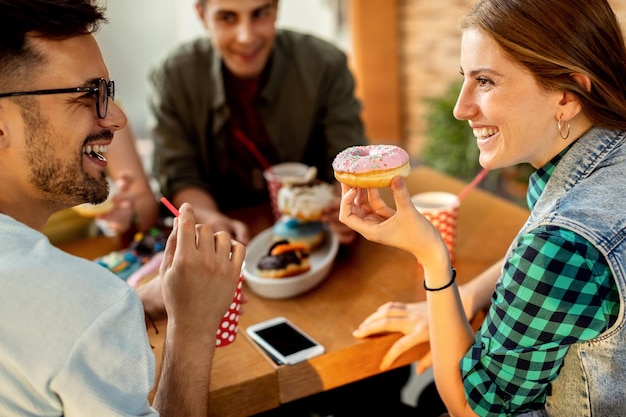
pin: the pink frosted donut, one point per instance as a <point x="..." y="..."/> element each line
<point x="371" y="166"/>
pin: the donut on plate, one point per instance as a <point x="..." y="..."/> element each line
<point x="305" y="202"/>
<point x="284" y="259"/>
<point x="310" y="234"/>
<point x="371" y="166"/>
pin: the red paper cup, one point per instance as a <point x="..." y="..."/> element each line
<point x="441" y="209"/>
<point x="274" y="177"/>
<point x="227" y="332"/>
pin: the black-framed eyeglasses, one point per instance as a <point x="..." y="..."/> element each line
<point x="102" y="90"/>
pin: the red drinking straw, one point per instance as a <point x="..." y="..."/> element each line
<point x="255" y="151"/>
<point x="170" y="206"/>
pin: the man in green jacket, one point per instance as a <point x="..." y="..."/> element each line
<point x="288" y="94"/>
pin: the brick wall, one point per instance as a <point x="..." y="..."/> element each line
<point x="429" y="56"/>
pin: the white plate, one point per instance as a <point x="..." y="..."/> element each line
<point x="279" y="288"/>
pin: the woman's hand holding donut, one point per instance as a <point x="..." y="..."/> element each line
<point x="364" y="211"/>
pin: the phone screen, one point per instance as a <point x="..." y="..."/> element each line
<point x="285" y="339"/>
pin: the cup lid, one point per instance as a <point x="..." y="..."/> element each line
<point x="291" y="173"/>
<point x="436" y="200"/>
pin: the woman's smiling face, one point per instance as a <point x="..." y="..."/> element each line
<point x="513" y="118"/>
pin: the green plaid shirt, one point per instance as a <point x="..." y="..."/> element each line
<point x="556" y="290"/>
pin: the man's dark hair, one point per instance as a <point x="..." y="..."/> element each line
<point x="51" y="19"/>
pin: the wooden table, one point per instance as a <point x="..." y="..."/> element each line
<point x="365" y="275"/>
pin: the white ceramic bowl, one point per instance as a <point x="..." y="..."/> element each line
<point x="280" y="288"/>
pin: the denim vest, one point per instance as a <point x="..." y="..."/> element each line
<point x="587" y="195"/>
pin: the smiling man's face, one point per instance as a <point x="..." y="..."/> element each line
<point x="50" y="157"/>
<point x="243" y="31"/>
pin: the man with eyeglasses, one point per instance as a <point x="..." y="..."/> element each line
<point x="72" y="335"/>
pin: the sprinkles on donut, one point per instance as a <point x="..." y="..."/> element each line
<point x="371" y="166"/>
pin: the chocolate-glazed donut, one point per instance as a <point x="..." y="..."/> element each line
<point x="284" y="259"/>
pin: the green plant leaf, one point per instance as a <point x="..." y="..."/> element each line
<point x="450" y="144"/>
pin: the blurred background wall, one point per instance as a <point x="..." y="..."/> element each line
<point x="140" y="31"/>
<point x="402" y="52"/>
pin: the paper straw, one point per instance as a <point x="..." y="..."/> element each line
<point x="255" y="151"/>
<point x="170" y="206"/>
<point x="477" y="179"/>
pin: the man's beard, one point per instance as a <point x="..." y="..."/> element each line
<point x="60" y="183"/>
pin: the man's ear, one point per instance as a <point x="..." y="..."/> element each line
<point x="201" y="14"/>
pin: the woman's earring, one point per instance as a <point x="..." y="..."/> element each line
<point x="567" y="127"/>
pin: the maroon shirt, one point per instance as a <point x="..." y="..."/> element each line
<point x="249" y="145"/>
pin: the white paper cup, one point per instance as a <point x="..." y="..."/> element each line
<point x="441" y="209"/>
<point x="275" y="176"/>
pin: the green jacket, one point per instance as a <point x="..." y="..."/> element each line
<point x="307" y="106"/>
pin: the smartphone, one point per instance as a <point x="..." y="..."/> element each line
<point x="283" y="341"/>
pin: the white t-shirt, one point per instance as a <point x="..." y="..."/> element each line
<point x="73" y="340"/>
